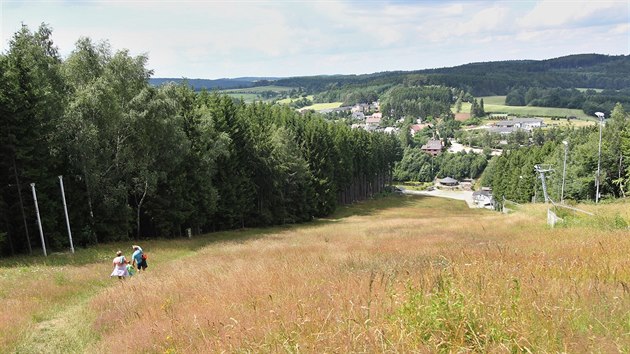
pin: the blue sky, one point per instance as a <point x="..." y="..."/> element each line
<point x="217" y="39"/>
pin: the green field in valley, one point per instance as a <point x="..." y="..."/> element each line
<point x="289" y="100"/>
<point x="252" y="94"/>
<point x="320" y="106"/>
<point x="496" y="104"/>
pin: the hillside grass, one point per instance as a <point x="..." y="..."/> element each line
<point x="290" y="100"/>
<point x="396" y="274"/>
<point x="496" y="104"/>
<point x="252" y="94"/>
<point x="258" y="89"/>
<point x="320" y="106"/>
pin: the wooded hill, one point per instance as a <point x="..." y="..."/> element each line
<point x="221" y="84"/>
<point x="492" y="78"/>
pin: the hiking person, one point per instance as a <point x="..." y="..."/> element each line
<point x="120" y="266"/>
<point x="139" y="259"/>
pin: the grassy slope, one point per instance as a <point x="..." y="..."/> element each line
<point x="320" y="106"/>
<point x="395" y="274"/>
<point x="496" y="104"/>
<point x="251" y="94"/>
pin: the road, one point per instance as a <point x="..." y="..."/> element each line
<point x="459" y="195"/>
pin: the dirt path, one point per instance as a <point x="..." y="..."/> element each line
<point x="67" y="332"/>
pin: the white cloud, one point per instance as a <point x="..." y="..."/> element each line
<point x="557" y="13"/>
<point x="212" y="39"/>
<point x="622" y="29"/>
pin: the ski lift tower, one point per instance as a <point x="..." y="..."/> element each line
<point x="541" y="169"/>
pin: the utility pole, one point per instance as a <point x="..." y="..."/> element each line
<point x="65" y="209"/>
<point x="39" y="220"/>
<point x="542" y="169"/>
<point x="564" y="169"/>
<point x="600" y="116"/>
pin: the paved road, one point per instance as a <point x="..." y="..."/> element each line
<point x="457" y="147"/>
<point x="460" y="195"/>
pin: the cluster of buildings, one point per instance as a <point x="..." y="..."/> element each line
<point x="509" y="126"/>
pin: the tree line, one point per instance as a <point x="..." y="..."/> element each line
<point x="418" y="166"/>
<point x="589" y="101"/>
<point x="491" y="78"/>
<point x="512" y="174"/>
<point x="141" y="161"/>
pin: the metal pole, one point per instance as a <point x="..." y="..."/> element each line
<point x="599" y="115"/>
<point x="564" y="170"/>
<point x="39" y="220"/>
<point x="65" y="209"/>
<point x="544" y="187"/>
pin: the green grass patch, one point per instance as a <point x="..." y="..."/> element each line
<point x="320" y="106"/>
<point x="496" y="104"/>
<point x="609" y="222"/>
<point x="252" y="94"/>
<point x="258" y="89"/>
<point x="447" y="318"/>
<point x="290" y="100"/>
<point x="530" y="111"/>
<point x="493" y="100"/>
<point x="416" y="186"/>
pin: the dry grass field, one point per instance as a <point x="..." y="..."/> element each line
<point x="399" y="274"/>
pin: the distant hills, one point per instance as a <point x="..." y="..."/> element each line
<point x="481" y="79"/>
<point x="221" y="84"/>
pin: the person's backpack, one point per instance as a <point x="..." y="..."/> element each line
<point x="144" y="256"/>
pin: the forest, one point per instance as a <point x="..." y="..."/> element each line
<point x="589" y="101"/>
<point x="512" y="174"/>
<point x="139" y="161"/>
<point x="492" y="78"/>
<point x="142" y="161"/>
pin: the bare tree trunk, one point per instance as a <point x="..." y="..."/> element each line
<point x="88" y="192"/>
<point x="620" y="169"/>
<point x="17" y="184"/>
<point x="146" y="187"/>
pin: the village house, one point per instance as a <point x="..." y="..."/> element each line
<point x="358" y="115"/>
<point x="448" y="182"/>
<point x="415" y="128"/>
<point x="391" y="130"/>
<point x="501" y="130"/>
<point x="360" y="107"/>
<point x="374" y="119"/>
<point x="433" y="147"/>
<point x="520" y="123"/>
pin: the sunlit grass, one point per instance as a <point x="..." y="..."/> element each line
<point x="496" y="104"/>
<point x="320" y="106"/>
<point x="397" y="274"/>
<point x="532" y="111"/>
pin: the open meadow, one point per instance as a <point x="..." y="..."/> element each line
<point x="496" y="104"/>
<point x="251" y="94"/>
<point x="397" y="274"/>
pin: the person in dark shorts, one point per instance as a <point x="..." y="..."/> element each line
<point x="139" y="259"/>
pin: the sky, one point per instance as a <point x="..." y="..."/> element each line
<point x="228" y="39"/>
